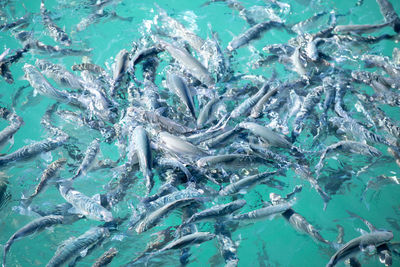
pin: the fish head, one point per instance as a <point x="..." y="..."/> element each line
<point x="106" y="216"/>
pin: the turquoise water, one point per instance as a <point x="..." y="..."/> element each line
<point x="265" y="243"/>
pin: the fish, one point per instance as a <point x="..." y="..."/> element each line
<point x="309" y="102"/>
<point x="90" y="155"/>
<point x="48" y="174"/>
<point x="178" y="85"/>
<point x="253" y="33"/>
<point x="7" y="133"/>
<point x="34" y="149"/>
<point x="59" y="74"/>
<point x="195" y="238"/>
<point x="42" y="86"/>
<point x="72" y="248"/>
<point x="121" y="65"/>
<point x="180" y="147"/>
<point x="163" y="122"/>
<point x="20" y="23"/>
<point x="153" y="218"/>
<point x="106" y="258"/>
<point x="216" y="211"/>
<point x="32" y="227"/>
<point x="143" y="150"/>
<point x="269" y="136"/>
<point x="262" y="213"/>
<point x="56" y="32"/>
<point x="375" y="238"/>
<point x="245" y="106"/>
<point x="298" y="221"/>
<point x="245" y="182"/>
<point x="350" y="147"/>
<point x="389" y="14"/>
<point x="360" y="29"/>
<point x="83" y="204"/>
<point x="189" y="63"/>
<point x="178" y="30"/>
<point x="205" y="112"/>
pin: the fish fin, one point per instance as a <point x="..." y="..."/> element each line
<point x="362" y="231"/>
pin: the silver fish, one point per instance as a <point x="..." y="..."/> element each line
<point x="84" y="204"/>
<point x="71" y="248"/>
<point x="251" y="34"/>
<point x="59" y="74"/>
<point x="189" y="63"/>
<point x="42" y="86"/>
<point x="269" y="136"/>
<point x="143" y="150"/>
<point x="90" y="155"/>
<point x="153" y="218"/>
<point x="246" y="105"/>
<point x="55" y="32"/>
<point x="357" y="244"/>
<point x="32" y="227"/>
<point x="262" y="213"/>
<point x="7" y="133"/>
<point x="246" y="182"/>
<point x="49" y="173"/>
<point x="389" y="14"/>
<point x="180" y="147"/>
<point x="195" y="238"/>
<point x="34" y="149"/>
<point x="360" y="29"/>
<point x="216" y="211"/>
<point x="177" y="85"/>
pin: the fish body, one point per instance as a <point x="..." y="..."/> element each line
<point x="32" y="227"/>
<point x="245" y="182"/>
<point x="251" y="34"/>
<point x="389" y="14"/>
<point x="178" y="146"/>
<point x="84" y="204"/>
<point x="244" y="107"/>
<point x="195" y="238"/>
<point x="49" y="173"/>
<point x="143" y="150"/>
<point x="42" y="86"/>
<point x="179" y="87"/>
<point x="56" y="32"/>
<point x="90" y="155"/>
<point x="34" y="149"/>
<point x="59" y="74"/>
<point x="271" y="137"/>
<point x="71" y="248"/>
<point x="357" y="244"/>
<point x="263" y="213"/>
<point x="216" y="211"/>
<point x="191" y="64"/>
<point x="153" y="218"/>
<point x="106" y="258"/>
<point x="360" y="29"/>
<point x="7" y="133"/>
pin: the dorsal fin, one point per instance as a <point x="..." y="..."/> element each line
<point x="370" y="226"/>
